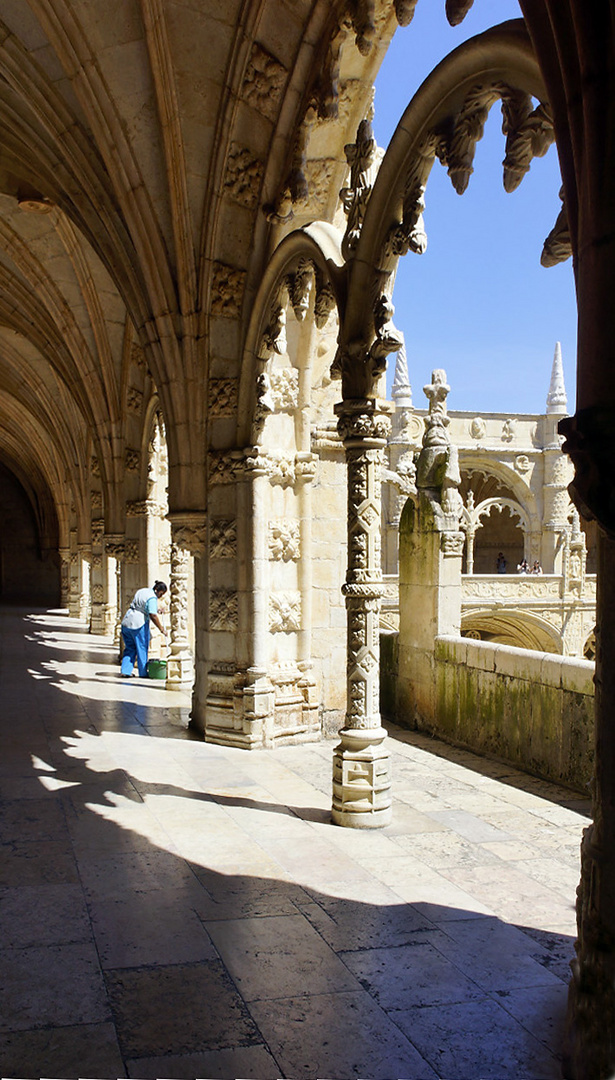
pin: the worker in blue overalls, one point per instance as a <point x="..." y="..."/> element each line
<point x="135" y="628"/>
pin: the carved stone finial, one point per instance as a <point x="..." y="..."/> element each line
<point x="437" y="421"/>
<point x="402" y="391"/>
<point x="557" y="401"/>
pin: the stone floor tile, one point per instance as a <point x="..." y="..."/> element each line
<point x="32" y="819"/>
<point x="141" y="929"/>
<point x="53" y="1052"/>
<point x="411" y="975"/>
<point x="496" y="955"/>
<point x="541" y="1010"/>
<point x="450" y="850"/>
<point x="348" y="925"/>
<point x="278" y="956"/>
<point x="469" y="826"/>
<point x="43" y="915"/>
<point x="37" y="863"/>
<point x="51" y="985"/>
<point x="477" y="1039"/>
<point x="510" y="850"/>
<point x="184" y="1008"/>
<point x="248" y="1062"/>
<point x="146" y="871"/>
<point x="407" y="821"/>
<point x="346" y="1034"/>
<point x="556" y="947"/>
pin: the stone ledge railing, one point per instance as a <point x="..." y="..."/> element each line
<point x="532" y="709"/>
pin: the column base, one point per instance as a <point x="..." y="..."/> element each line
<point x="180" y="671"/>
<point x="361" y="780"/>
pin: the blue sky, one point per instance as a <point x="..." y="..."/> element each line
<point x="478" y="303"/>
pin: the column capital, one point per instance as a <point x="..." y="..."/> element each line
<point x="364" y="420"/>
<point x="188" y="530"/>
<point x="590" y="444"/>
<point x="114" y="544"/>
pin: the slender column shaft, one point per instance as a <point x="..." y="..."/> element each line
<point x="180" y="667"/>
<point x="361" y="768"/>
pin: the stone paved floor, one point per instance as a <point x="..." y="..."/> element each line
<point x="174" y="909"/>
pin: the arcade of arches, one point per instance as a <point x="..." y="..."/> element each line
<point x="194" y="330"/>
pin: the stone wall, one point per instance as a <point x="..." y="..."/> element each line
<point x="535" y="710"/>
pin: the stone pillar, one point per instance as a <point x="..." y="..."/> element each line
<point x="84" y="571"/>
<point x="114" y="548"/>
<point x="188" y="533"/>
<point x="74" y="579"/>
<point x="590" y="1041"/>
<point x="64" y="554"/>
<point x="431" y="549"/>
<point x="361" y="766"/>
<point x="110" y="594"/>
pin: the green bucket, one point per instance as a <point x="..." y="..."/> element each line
<point x="157" y="669"/>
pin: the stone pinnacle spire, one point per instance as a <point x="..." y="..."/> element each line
<point x="557" y="402"/>
<point x="402" y="391"/>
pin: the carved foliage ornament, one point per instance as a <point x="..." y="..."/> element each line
<point x="243" y="178"/>
<point x="284" y="612"/>
<point x="223" y="539"/>
<point x="558" y="245"/>
<point x="363" y="161"/>
<point x="263" y="82"/>
<point x="227" y="290"/>
<point x="284" y="540"/>
<point x="285" y="389"/>
<point x="223" y="609"/>
<point x="529" y="133"/>
<point x="190" y="536"/>
<point x="222" y="397"/>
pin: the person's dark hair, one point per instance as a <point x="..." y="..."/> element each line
<point x="159" y="586"/>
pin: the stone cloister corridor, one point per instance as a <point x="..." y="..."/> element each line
<point x="172" y="908"/>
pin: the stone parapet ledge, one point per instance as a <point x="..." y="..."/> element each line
<point x="549" y="669"/>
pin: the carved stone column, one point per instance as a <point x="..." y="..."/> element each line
<point x="64" y="554"/>
<point x="114" y="548"/>
<point x="84" y="570"/>
<point x="188" y="532"/>
<point x="590" y="1050"/>
<point x="74" y="579"/>
<point x="361" y="766"/>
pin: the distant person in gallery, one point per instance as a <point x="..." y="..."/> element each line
<point x="500" y="563"/>
<point x="523" y="567"/>
<point x="136" y="630"/>
<point x="536" y="568"/>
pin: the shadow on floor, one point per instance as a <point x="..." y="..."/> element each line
<point x="148" y="931"/>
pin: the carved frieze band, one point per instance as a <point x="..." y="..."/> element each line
<point x="225" y="466"/>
